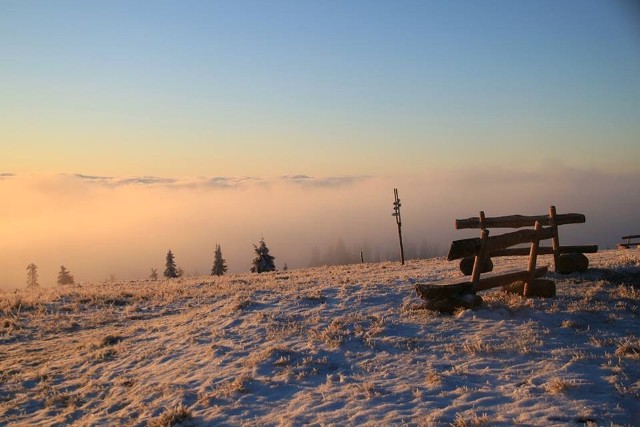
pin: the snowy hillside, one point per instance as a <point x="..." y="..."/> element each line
<point x="325" y="346"/>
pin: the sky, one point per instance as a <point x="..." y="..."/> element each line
<point x="120" y="117"/>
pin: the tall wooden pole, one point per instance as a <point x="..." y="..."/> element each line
<point x="396" y="213"/>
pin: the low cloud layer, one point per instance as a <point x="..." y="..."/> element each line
<point x="218" y="181"/>
<point x="98" y="226"/>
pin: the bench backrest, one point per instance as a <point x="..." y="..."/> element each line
<point x="553" y="220"/>
<point x="485" y="244"/>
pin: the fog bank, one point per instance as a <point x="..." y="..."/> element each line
<point x="99" y="227"/>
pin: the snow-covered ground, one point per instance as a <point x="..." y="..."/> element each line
<point x="342" y="345"/>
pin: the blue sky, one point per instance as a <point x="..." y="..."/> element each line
<point x="322" y="88"/>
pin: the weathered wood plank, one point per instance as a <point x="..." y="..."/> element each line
<point x="501" y="279"/>
<point x="469" y="247"/>
<point x="519" y="221"/>
<point x="459" y="285"/>
<point x="546" y="250"/>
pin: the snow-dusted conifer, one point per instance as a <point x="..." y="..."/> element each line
<point x="32" y="276"/>
<point x="171" y="271"/>
<point x="219" y="263"/>
<point x="64" y="277"/>
<point x="263" y="261"/>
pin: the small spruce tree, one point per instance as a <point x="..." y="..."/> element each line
<point x="64" y="277"/>
<point x="32" y="276"/>
<point x="171" y="271"/>
<point x="154" y="274"/>
<point x="263" y="261"/>
<point x="219" y="263"/>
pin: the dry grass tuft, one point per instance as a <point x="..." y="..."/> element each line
<point x="241" y="304"/>
<point x="628" y="348"/>
<point x="558" y="385"/>
<point x="369" y="389"/>
<point x="171" y="417"/>
<point x="433" y="378"/>
<point x="627" y="292"/>
<point x="474" y="420"/>
<point x="333" y="335"/>
<point x="627" y="260"/>
<point x="109" y="340"/>
<point x="237" y="385"/>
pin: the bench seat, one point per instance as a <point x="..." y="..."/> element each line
<point x="461" y="285"/>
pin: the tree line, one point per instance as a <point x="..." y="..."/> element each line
<point x="64" y="276"/>
<point x="262" y="262"/>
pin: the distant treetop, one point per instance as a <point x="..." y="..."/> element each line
<point x="65" y="277"/>
<point x="171" y="271"/>
<point x="263" y="261"/>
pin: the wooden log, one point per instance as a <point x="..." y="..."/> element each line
<point x="466" y="265"/>
<point x="582" y="262"/>
<point x="569" y="263"/>
<point x="469" y="247"/>
<point x="543" y="288"/>
<point x="519" y="221"/>
<point x="546" y="250"/>
<point x="461" y="285"/>
<point x="442" y="290"/>
<point x="456" y="302"/>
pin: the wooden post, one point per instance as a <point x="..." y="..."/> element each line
<point x="396" y="213"/>
<point x="483" y="226"/>
<point x="479" y="261"/>
<point x="483" y="221"/>
<point x="555" y="239"/>
<point x="533" y="255"/>
<point x="361" y="257"/>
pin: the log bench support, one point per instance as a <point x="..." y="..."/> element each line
<point x="628" y="244"/>
<point x="566" y="259"/>
<point x="447" y="296"/>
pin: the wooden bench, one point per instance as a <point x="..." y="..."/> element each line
<point x="451" y="294"/>
<point x="629" y="244"/>
<point x="566" y="259"/>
